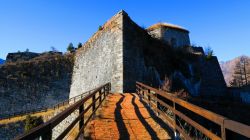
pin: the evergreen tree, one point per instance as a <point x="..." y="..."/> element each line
<point x="70" y="47"/>
<point x="79" y="45"/>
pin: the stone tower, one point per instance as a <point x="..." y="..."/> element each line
<point x="174" y="35"/>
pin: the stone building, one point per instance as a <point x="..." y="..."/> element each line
<point x="121" y="52"/>
<point x="174" y="35"/>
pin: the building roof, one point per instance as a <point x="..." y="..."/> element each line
<point x="166" y="25"/>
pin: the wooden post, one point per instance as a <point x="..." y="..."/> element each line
<point x="223" y="131"/>
<point x="149" y="97"/>
<point x="93" y="101"/>
<point x="157" y="105"/>
<point x="104" y="93"/>
<point x="47" y="135"/>
<point x="100" y="95"/>
<point x="175" y="132"/>
<point x="143" y="94"/>
<point x="81" y="123"/>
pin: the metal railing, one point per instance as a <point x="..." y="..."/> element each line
<point x="176" y="111"/>
<point x="44" y="131"/>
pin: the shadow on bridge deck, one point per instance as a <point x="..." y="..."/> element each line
<point x="124" y="116"/>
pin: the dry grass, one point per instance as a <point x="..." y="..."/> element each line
<point x="44" y="114"/>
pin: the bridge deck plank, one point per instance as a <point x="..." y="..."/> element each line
<point x="125" y="116"/>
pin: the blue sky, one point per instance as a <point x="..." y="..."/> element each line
<point x="37" y="25"/>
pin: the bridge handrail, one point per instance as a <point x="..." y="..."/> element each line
<point x="224" y="123"/>
<point x="45" y="130"/>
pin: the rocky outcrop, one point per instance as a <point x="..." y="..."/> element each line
<point x="38" y="83"/>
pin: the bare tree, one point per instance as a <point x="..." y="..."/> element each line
<point x="245" y="62"/>
<point x="241" y="73"/>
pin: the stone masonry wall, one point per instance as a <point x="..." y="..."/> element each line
<point x="212" y="80"/>
<point x="135" y="42"/>
<point x="181" y="38"/>
<point x="100" y="59"/>
<point x="167" y="34"/>
<point x="156" y="33"/>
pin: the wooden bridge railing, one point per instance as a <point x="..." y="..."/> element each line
<point x="44" y="131"/>
<point x="158" y="99"/>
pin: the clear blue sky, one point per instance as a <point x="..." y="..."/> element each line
<point x="224" y="25"/>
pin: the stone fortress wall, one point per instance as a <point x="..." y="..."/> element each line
<point x="100" y="61"/>
<point x="122" y="53"/>
<point x="114" y="54"/>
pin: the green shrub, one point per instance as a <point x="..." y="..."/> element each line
<point x="209" y="53"/>
<point x="31" y="122"/>
<point x="100" y="28"/>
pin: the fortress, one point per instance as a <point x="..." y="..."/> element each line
<point x="121" y="52"/>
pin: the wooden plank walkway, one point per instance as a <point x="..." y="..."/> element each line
<point x="124" y="116"/>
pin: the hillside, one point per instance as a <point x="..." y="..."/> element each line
<point x="37" y="83"/>
<point x="228" y="68"/>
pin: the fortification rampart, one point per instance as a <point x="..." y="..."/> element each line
<point x="100" y="59"/>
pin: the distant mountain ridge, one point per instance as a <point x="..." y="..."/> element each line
<point x="227" y="68"/>
<point x="2" y="61"/>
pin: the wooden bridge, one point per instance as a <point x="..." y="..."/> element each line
<point x="147" y="114"/>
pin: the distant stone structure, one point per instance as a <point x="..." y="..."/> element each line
<point x="121" y="52"/>
<point x="25" y="56"/>
<point x="174" y="35"/>
<point x="21" y="56"/>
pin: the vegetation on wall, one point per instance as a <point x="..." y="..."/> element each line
<point x="209" y="53"/>
<point x="100" y="28"/>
